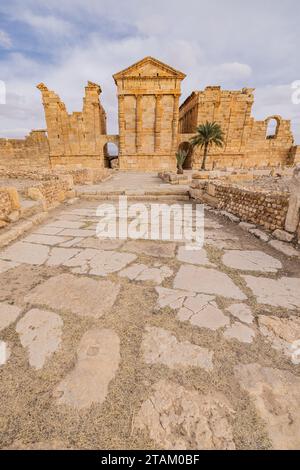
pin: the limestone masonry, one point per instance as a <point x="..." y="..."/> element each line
<point x="152" y="127"/>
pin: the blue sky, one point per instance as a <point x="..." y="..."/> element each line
<point x="64" y="43"/>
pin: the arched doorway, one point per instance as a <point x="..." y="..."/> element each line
<point x="111" y="154"/>
<point x="273" y="124"/>
<point x="187" y="147"/>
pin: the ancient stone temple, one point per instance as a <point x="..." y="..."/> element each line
<point x="148" y="99"/>
<point x="153" y="127"/>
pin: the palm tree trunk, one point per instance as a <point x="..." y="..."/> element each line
<point x="204" y="157"/>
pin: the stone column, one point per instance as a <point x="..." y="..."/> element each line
<point x="175" y="123"/>
<point x="158" y="118"/>
<point x="121" y="125"/>
<point x="138" y="142"/>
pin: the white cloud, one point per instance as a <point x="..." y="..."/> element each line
<point x="230" y="44"/>
<point x="5" y="40"/>
<point x="48" y="24"/>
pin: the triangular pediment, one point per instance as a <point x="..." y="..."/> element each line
<point x="149" y="67"/>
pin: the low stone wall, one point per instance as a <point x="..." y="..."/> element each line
<point x="258" y="207"/>
<point x="32" y="151"/>
<point x="9" y="204"/>
<point x="80" y="175"/>
<point x="264" y="208"/>
<point x="87" y="175"/>
<point x="53" y="191"/>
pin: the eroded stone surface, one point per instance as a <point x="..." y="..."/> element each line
<point x="285" y="248"/>
<point x="193" y="256"/>
<point x="241" y="332"/>
<point x="178" y="418"/>
<point x="142" y="272"/>
<point x="203" y="312"/>
<point x="276" y="394"/>
<point x="207" y="281"/>
<point x="60" y="255"/>
<point x="161" y="347"/>
<point x="40" y="333"/>
<point x="6" y="265"/>
<point x="100" y="243"/>
<point x="99" y="263"/>
<point x="44" y="239"/>
<point x="8" y="314"/>
<point x="283" y="333"/>
<point x="106" y="262"/>
<point x="151" y="248"/>
<point x="81" y="295"/>
<point x="172" y="298"/>
<point x="4" y="352"/>
<point x="242" y="312"/>
<point x="251" y="261"/>
<point x="283" y="292"/>
<point x="29" y="253"/>
<point x="98" y="358"/>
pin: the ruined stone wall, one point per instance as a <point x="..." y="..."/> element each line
<point x="148" y="99"/>
<point x="9" y="203"/>
<point x="52" y="191"/>
<point x="265" y="208"/>
<point x="75" y="139"/>
<point x="295" y="155"/>
<point x="262" y="208"/>
<point x="33" y="151"/>
<point x="5" y="204"/>
<point x="246" y="143"/>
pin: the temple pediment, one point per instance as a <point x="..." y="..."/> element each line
<point x="148" y="68"/>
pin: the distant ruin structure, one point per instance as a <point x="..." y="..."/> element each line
<point x="153" y="127"/>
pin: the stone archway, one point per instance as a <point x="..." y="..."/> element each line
<point x="187" y="147"/>
<point x="111" y="152"/>
<point x="272" y="124"/>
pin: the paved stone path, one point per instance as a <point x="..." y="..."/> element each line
<point x="143" y="344"/>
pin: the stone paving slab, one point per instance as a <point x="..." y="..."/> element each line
<point x="40" y="332"/>
<point x="172" y="408"/>
<point x="207" y="281"/>
<point x="29" y="253"/>
<point x="283" y="292"/>
<point x="78" y="295"/>
<point x="45" y="239"/>
<point x="251" y="261"/>
<point x="8" y="314"/>
<point x="161" y="347"/>
<point x="98" y="357"/>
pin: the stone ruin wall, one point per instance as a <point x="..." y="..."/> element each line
<point x="246" y="145"/>
<point x="272" y="210"/>
<point x="151" y="127"/>
<point x="77" y="139"/>
<point x="9" y="204"/>
<point x="33" y="151"/>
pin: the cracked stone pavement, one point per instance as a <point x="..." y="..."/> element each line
<point x="139" y="344"/>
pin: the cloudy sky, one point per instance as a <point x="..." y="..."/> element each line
<point x="64" y="43"/>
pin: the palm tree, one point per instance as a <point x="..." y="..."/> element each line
<point x="180" y="157"/>
<point x="208" y="134"/>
